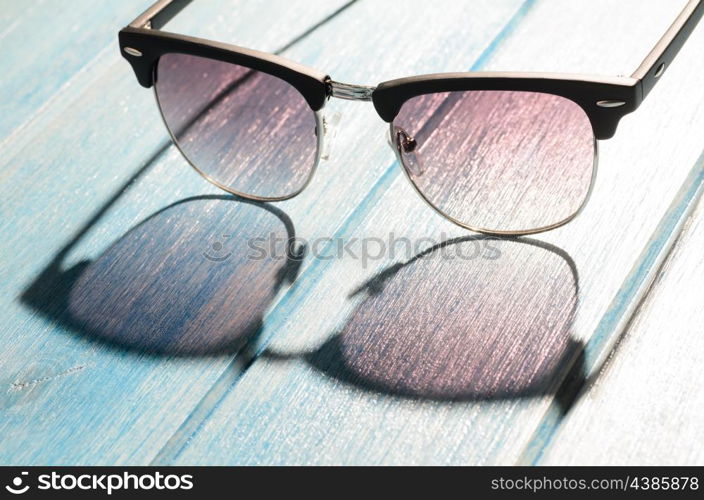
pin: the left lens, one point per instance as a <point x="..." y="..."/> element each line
<point x="498" y="161"/>
<point x="249" y="132"/>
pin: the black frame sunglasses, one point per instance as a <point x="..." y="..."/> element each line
<point x="601" y="100"/>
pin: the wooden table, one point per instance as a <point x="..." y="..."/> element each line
<point x="124" y="342"/>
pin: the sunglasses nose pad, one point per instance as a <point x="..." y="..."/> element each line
<point x="329" y="134"/>
<point x="407" y="148"/>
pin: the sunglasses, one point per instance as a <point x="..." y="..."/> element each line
<point x="496" y="153"/>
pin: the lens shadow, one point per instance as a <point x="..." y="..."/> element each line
<point x="193" y="279"/>
<point x="471" y="319"/>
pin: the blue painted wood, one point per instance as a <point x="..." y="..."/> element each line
<point x="296" y="404"/>
<point x="363" y="156"/>
<point x="46" y="45"/>
<point x="645" y="406"/>
<point x="88" y="201"/>
<point x="97" y="136"/>
<point x="627" y="299"/>
<point x="164" y="182"/>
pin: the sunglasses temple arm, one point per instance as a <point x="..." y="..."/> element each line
<point x="654" y="65"/>
<point x="160" y="13"/>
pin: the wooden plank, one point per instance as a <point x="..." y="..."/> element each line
<point x="623" y="306"/>
<point x="645" y="407"/>
<point x="311" y="398"/>
<point x="34" y="70"/>
<point x="130" y="404"/>
<point x="79" y="153"/>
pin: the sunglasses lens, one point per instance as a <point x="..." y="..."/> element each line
<point x="249" y="132"/>
<point x="498" y="161"/>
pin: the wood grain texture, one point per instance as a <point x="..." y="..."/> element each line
<point x="285" y="410"/>
<point x="359" y="153"/>
<point x="34" y="70"/>
<point x="157" y="380"/>
<point x="139" y="398"/>
<point x="97" y="402"/>
<point x="646" y="407"/>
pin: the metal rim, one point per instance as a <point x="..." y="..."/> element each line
<point x="491" y="232"/>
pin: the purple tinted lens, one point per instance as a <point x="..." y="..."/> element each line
<point x="250" y="132"/>
<point x="498" y="160"/>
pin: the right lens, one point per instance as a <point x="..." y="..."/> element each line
<point x="249" y="132"/>
<point x="498" y="161"/>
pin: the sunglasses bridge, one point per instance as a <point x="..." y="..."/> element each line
<point x="349" y="91"/>
<point x="400" y="141"/>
